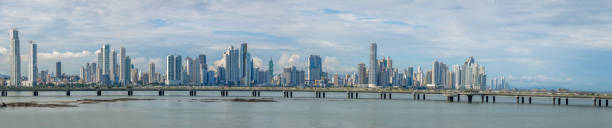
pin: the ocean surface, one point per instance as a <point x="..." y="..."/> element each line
<point x="177" y="109"/>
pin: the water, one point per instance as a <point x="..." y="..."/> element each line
<point x="302" y="111"/>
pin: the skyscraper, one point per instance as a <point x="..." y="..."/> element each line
<point x="373" y="70"/>
<point x="15" y="62"/>
<point x="106" y="60"/>
<point x="122" y="66"/>
<point x="113" y="67"/>
<point x="203" y="68"/>
<point x="178" y="69"/>
<point x="270" y="72"/>
<point x="363" y="76"/>
<point x="152" y="73"/>
<point x="128" y="70"/>
<point x="170" y="70"/>
<point x="33" y="72"/>
<point x="232" y="68"/>
<point x="244" y="61"/>
<point x="314" y="68"/>
<point x="58" y="70"/>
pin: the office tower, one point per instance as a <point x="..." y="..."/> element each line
<point x="58" y="70"/>
<point x="473" y="75"/>
<point x="152" y="73"/>
<point x="373" y="70"/>
<point x="128" y="70"/>
<point x="122" y="66"/>
<point x="457" y="76"/>
<point x="244" y="58"/>
<point x="178" y="69"/>
<point x="106" y="60"/>
<point x="439" y="74"/>
<point x="270" y="71"/>
<point x="232" y="69"/>
<point x="99" y="69"/>
<point x="248" y="76"/>
<point x="113" y="67"/>
<point x="363" y="74"/>
<point x="15" y="58"/>
<point x="33" y="66"/>
<point x="203" y="68"/>
<point x="314" y="68"/>
<point x="170" y="70"/>
<point x="288" y="76"/>
<point x="190" y="70"/>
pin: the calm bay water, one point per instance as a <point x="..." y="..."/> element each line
<point x="178" y="110"/>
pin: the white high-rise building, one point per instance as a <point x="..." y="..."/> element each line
<point x="122" y="66"/>
<point x="113" y="67"/>
<point x="373" y="70"/>
<point x="33" y="68"/>
<point x="15" y="58"/>
<point x="232" y="68"/>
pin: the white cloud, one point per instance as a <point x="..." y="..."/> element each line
<point x="64" y="55"/>
<point x="257" y="62"/>
<point x="539" y="81"/>
<point x="287" y="60"/>
<point x="518" y="50"/>
<point x="331" y="64"/>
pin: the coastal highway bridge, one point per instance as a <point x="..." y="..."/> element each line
<point x="351" y="93"/>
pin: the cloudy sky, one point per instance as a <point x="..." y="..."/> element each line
<point x="535" y="44"/>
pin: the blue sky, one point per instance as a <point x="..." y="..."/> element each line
<point x="535" y="44"/>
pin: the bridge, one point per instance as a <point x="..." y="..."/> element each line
<point x="351" y="93"/>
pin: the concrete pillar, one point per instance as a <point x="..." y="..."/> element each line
<point x="458" y="97"/>
<point x="4" y="93"/>
<point x="599" y="102"/>
<point x="195" y="93"/>
<point x="160" y="92"/>
<point x="423" y="96"/>
<point x="559" y="101"/>
<point x="348" y="95"/>
<point x="418" y="96"/>
<point x="517" y="99"/>
<point x="522" y="100"/>
<point x="389" y="95"/>
<point x="35" y="93"/>
<point x="530" y="100"/>
<point x="470" y="98"/>
<point x="606" y="102"/>
<point x="291" y="94"/>
<point x="594" y="101"/>
<point x="493" y="99"/>
<point x="481" y="98"/>
<point x="414" y="96"/>
<point x="317" y="94"/>
<point x="449" y="98"/>
<point x="130" y="93"/>
<point x="356" y="95"/>
<point x="258" y="93"/>
<point x="385" y="95"/>
<point x="67" y="92"/>
<point x="566" y="101"/>
<point x="554" y="100"/>
<point x="99" y="92"/>
<point x="323" y="94"/>
<point x="487" y="99"/>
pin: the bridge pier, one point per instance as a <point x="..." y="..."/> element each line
<point x="458" y="97"/>
<point x="317" y="94"/>
<point x="449" y="98"/>
<point x="553" y="100"/>
<point x="224" y="93"/>
<point x="559" y="101"/>
<point x="594" y="101"/>
<point x="254" y="93"/>
<point x="606" y="102"/>
<point x="482" y="99"/>
<point x="160" y="92"/>
<point x="566" y="101"/>
<point x="99" y="92"/>
<point x="418" y="96"/>
<point x="130" y="92"/>
<point x="522" y="100"/>
<point x="67" y="92"/>
<point x="493" y="99"/>
<point x="530" y="100"/>
<point x="487" y="99"/>
<point x="390" y="96"/>
<point x="517" y="99"/>
<point x="470" y="98"/>
<point x="599" y="102"/>
<point x="35" y="93"/>
<point x="356" y="95"/>
<point x="192" y="93"/>
<point x="423" y="96"/>
<point x="4" y="93"/>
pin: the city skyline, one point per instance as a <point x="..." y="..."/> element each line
<point x="566" y="63"/>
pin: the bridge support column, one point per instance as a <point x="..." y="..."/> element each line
<point x="594" y="101"/>
<point x="606" y="102"/>
<point x="130" y="92"/>
<point x="4" y="93"/>
<point x="530" y="100"/>
<point x="254" y="93"/>
<point x="599" y="102"/>
<point x="258" y="93"/>
<point x="554" y="100"/>
<point x="390" y="96"/>
<point x="35" y="93"/>
<point x="559" y="101"/>
<point x="317" y="94"/>
<point x="493" y="99"/>
<point x="192" y="93"/>
<point x="522" y="100"/>
<point x="356" y="95"/>
<point x="290" y="94"/>
<point x="67" y="92"/>
<point x="99" y="92"/>
<point x="458" y="97"/>
<point x="423" y="96"/>
<point x="323" y="94"/>
<point x="418" y="96"/>
<point x="566" y="101"/>
<point x="487" y="99"/>
<point x="482" y="99"/>
<point x="160" y="92"/>
<point x="517" y="99"/>
<point x="449" y="98"/>
<point x="470" y="98"/>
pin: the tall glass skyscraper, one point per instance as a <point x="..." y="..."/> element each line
<point x="373" y="70"/>
<point x="15" y="64"/>
<point x="33" y="68"/>
<point x="314" y="68"/>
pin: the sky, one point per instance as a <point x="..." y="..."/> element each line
<point x="534" y="44"/>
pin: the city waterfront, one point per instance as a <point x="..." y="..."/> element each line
<point x="177" y="109"/>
